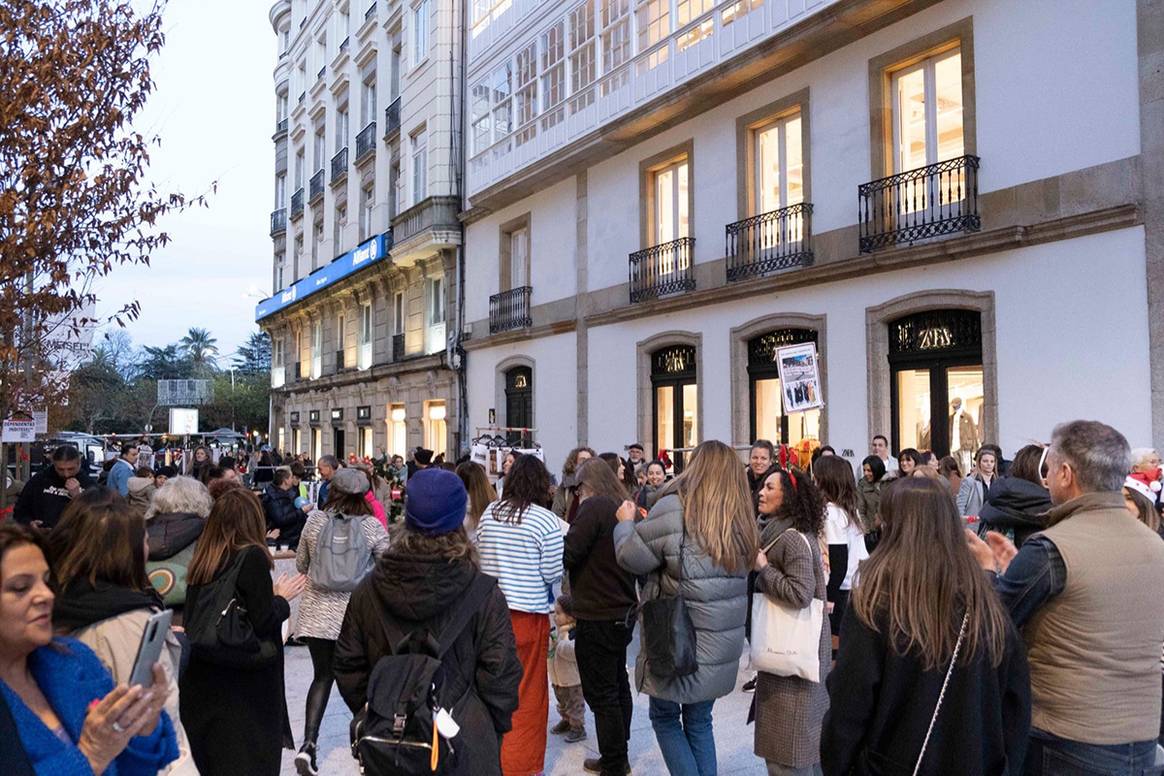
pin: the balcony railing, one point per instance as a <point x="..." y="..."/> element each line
<point x="345" y="43"/>
<point x="339" y="360"/>
<point x="510" y="310"/>
<point x="927" y="202"/>
<point x="339" y="165"/>
<point x="430" y="213"/>
<point x="392" y="118"/>
<point x="298" y="370"/>
<point x="662" y="269"/>
<point x="368" y="14"/>
<point x="366" y="142"/>
<point x="316" y="186"/>
<point x="319" y="75"/>
<point x="281" y="126"/>
<point x="769" y="242"/>
<point x="297" y="203"/>
<point x="302" y="97"/>
<point x="278" y="221"/>
<point x="398" y="346"/>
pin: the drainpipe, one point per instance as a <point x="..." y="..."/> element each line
<point x="457" y="162"/>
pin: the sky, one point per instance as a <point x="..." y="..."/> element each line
<point x="213" y="109"/>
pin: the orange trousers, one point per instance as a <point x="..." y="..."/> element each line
<point x="523" y="749"/>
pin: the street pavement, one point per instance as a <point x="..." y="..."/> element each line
<point x="733" y="736"/>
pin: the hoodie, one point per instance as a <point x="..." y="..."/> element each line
<point x="1015" y="506"/>
<point x="45" y="497"/>
<point x="414" y="592"/>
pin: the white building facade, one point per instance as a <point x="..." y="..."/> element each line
<point x="962" y="211"/>
<point x="366" y="240"/>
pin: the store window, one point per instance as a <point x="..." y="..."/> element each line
<point x="366" y="447"/>
<point x="316" y="444"/>
<point x="767" y="418"/>
<point x="296" y="440"/>
<point x="676" y="401"/>
<point x="935" y="360"/>
<point x="519" y="404"/>
<point x="435" y="426"/>
<point x="397" y="429"/>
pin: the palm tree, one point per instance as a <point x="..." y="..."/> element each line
<point x="200" y="347"/>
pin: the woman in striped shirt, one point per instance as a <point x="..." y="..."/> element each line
<point x="520" y="543"/>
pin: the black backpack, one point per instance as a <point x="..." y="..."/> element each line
<point x="395" y="734"/>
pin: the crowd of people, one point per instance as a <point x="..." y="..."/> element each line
<point x="907" y="618"/>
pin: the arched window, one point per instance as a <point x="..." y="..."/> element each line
<point x="767" y="418"/>
<point x="935" y="358"/>
<point x="676" y="400"/>
<point x="519" y="404"/>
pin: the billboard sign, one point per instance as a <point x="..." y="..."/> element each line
<point x="183" y="421"/>
<point x="351" y="262"/>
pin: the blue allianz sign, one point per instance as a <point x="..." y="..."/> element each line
<point x="351" y="262"/>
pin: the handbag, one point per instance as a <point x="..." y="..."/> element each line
<point x="786" y="639"/>
<point x="220" y="630"/>
<point x="668" y="639"/>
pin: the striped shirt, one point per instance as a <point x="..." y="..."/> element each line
<point x="525" y="557"/>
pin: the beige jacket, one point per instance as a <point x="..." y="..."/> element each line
<point x="115" y="641"/>
<point x="563" y="664"/>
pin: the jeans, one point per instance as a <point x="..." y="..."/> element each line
<point x="685" y="736"/>
<point x="1051" y="756"/>
<point x="322" y="661"/>
<point x="600" y="648"/>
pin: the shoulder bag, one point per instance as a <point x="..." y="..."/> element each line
<point x="786" y="639"/>
<point x="668" y="633"/>
<point x="219" y="628"/>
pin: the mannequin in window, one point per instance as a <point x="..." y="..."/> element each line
<point x="963" y="434"/>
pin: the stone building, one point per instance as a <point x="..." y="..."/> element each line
<point x="960" y="202"/>
<point x="366" y="240"/>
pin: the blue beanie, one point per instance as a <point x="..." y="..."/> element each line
<point x="436" y="502"/>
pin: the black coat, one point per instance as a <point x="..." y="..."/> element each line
<point x="1017" y="505"/>
<point x="279" y="507"/>
<point x="881" y="703"/>
<point x="236" y="718"/>
<point x="170" y="533"/>
<point x="45" y="497"/>
<point x="420" y="592"/>
<point x="601" y="589"/>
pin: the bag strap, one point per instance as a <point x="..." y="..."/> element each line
<point x="942" y="694"/>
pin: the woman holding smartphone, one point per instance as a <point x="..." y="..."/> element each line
<point x="106" y="600"/>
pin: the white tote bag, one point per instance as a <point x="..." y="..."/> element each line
<point x="786" y="640"/>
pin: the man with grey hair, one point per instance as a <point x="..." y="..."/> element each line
<point x="327" y="466"/>
<point x="1086" y="593"/>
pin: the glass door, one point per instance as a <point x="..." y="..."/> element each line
<point x="672" y="219"/>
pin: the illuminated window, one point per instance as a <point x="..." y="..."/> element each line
<point x="397" y="420"/>
<point x="435" y="427"/>
<point x="927" y="108"/>
<point x="767" y="418"/>
<point x="676" y="401"/>
<point x="779" y="164"/>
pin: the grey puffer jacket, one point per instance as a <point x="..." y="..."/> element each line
<point x="716" y="598"/>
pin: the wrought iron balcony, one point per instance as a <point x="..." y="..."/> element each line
<point x="662" y="269"/>
<point x="769" y="242"/>
<point x="339" y="165"/>
<point x="281" y="127"/>
<point x="316" y="186"/>
<point x="298" y="370"/>
<point x="319" y="75"/>
<point x="345" y="43"/>
<point x="297" y="203"/>
<point x="278" y="221"/>
<point x="398" y="346"/>
<point x="302" y="97"/>
<point x="339" y="360"/>
<point x="510" y="310"/>
<point x="392" y="118"/>
<point x="368" y="14"/>
<point x="927" y="202"/>
<point x="366" y="142"/>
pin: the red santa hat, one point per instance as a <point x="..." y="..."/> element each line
<point x="1146" y="484"/>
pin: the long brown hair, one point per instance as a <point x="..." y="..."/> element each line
<point x="451" y="546"/>
<point x="834" y="477"/>
<point x="235" y="523"/>
<point x="922" y="578"/>
<point x="481" y="493"/>
<point x="600" y="479"/>
<point x="103" y="541"/>
<point x="717" y="506"/>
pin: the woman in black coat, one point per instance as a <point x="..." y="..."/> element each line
<point x="1017" y="504"/>
<point x="415" y="586"/>
<point x="236" y="718"/>
<point x="886" y="684"/>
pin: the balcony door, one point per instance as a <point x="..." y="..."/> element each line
<point x="674" y="383"/>
<point x="519" y="258"/>
<point x="671" y="217"/>
<point x="779" y="159"/>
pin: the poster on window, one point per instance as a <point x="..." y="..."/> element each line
<point x="800" y="378"/>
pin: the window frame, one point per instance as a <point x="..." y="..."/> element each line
<point x="421" y="13"/>
<point x="418" y="154"/>
<point x="505" y="251"/>
<point x="648" y="170"/>
<point x="747" y="126"/>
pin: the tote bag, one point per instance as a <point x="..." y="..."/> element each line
<point x="668" y="634"/>
<point x="786" y="640"/>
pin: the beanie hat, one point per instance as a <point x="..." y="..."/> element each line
<point x="435" y="502"/>
<point x="422" y="456"/>
<point x="1135" y="483"/>
<point x="1142" y="477"/>
<point x="351" y="481"/>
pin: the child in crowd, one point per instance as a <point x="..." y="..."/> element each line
<point x="564" y="674"/>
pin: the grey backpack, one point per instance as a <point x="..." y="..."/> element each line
<point x="342" y="555"/>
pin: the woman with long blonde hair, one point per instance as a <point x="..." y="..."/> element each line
<point x="481" y="493"/>
<point x="698" y="543"/>
<point x="924" y="628"/>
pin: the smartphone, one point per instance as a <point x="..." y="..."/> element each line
<point x="153" y="638"/>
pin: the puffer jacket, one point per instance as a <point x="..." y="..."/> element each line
<point x="171" y="532"/>
<point x="1015" y="506"/>
<point x="419" y="592"/>
<point x="717" y="600"/>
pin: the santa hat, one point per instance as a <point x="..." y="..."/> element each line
<point x="1151" y="486"/>
<point x="1139" y="486"/>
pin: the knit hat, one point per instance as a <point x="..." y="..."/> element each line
<point x="435" y="503"/>
<point x="1141" y="487"/>
<point x="422" y="456"/>
<point x="1152" y="485"/>
<point x="351" y="481"/>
